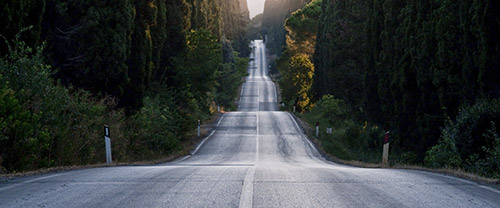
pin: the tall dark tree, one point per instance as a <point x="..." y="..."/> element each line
<point x="421" y="61"/>
<point x="90" y="44"/>
<point x="140" y="61"/>
<point x="18" y="15"/>
<point x="295" y="62"/>
<point x="275" y="14"/>
<point x="338" y="60"/>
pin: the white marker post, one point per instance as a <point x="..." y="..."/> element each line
<point x="385" y="154"/>
<point x="294" y="108"/>
<point x="199" y="128"/>
<point x="107" y="142"/>
<point x="317" y="129"/>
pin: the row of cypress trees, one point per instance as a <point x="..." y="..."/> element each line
<point x="423" y="70"/>
<point x="408" y="66"/>
<point x="150" y="67"/>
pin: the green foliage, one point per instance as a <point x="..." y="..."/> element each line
<point x="488" y="166"/>
<point x="471" y="124"/>
<point x="334" y="109"/>
<point x="443" y="154"/>
<point x="468" y="142"/>
<point x="197" y="70"/>
<point x="17" y="122"/>
<point x="295" y="63"/>
<point x="230" y="77"/>
<point x="154" y="129"/>
<point x="296" y="81"/>
<point x="302" y="27"/>
<point x="44" y="124"/>
<point x="45" y="115"/>
<point x="148" y="69"/>
<point x="275" y="14"/>
<point x="253" y="28"/>
<point x="339" y="68"/>
<point x="97" y="64"/>
<point x="407" y="66"/>
<point x="206" y="15"/>
<point x="350" y="140"/>
<point x="15" y="15"/>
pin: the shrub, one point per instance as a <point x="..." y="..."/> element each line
<point x="471" y="124"/>
<point x="154" y="130"/>
<point x="489" y="165"/>
<point x="350" y="139"/>
<point x="47" y="124"/>
<point x="471" y="141"/>
<point x="444" y="154"/>
<point x="334" y="109"/>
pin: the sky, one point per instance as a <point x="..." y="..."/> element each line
<point x="256" y="7"/>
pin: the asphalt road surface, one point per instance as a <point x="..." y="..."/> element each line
<point x="256" y="157"/>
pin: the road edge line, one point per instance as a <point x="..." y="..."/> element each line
<point x="303" y="135"/>
<point x="206" y="138"/>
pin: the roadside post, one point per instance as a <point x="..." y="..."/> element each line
<point x="329" y="130"/>
<point x="294" y="108"/>
<point x="317" y="129"/>
<point x="107" y="142"/>
<point x="385" y="154"/>
<point x="199" y="128"/>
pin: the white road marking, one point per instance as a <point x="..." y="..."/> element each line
<point x="257" y="139"/>
<point x="303" y="136"/>
<point x="275" y="92"/>
<point x="204" y="140"/>
<point x="246" y="198"/>
<point x="258" y="98"/>
<point x="220" y="120"/>
<point x="242" y="87"/>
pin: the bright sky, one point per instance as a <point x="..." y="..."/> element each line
<point x="256" y="7"/>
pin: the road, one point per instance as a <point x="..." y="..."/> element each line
<point x="256" y="157"/>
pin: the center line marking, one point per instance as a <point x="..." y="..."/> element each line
<point x="246" y="198"/>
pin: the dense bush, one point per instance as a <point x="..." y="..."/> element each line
<point x="444" y="154"/>
<point x="44" y="124"/>
<point x="295" y="63"/>
<point x="409" y="65"/>
<point x="471" y="141"/>
<point x="147" y="69"/>
<point x="350" y="140"/>
<point x="48" y="124"/>
<point x="296" y="81"/>
<point x="334" y="109"/>
<point x="155" y="129"/>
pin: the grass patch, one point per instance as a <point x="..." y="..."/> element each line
<point x="349" y="140"/>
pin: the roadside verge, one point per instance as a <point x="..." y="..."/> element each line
<point x="309" y="131"/>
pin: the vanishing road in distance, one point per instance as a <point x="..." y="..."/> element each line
<point x="255" y="157"/>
